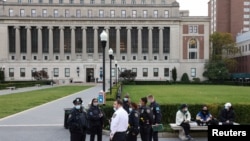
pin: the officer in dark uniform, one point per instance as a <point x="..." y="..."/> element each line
<point x="126" y="103"/>
<point x="146" y="120"/>
<point x="77" y="121"/>
<point x="96" y="119"/>
<point x="155" y="108"/>
<point x="133" y="129"/>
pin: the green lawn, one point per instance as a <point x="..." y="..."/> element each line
<point x="14" y="103"/>
<point x="192" y="94"/>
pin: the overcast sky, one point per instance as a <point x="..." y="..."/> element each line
<point x="195" y="7"/>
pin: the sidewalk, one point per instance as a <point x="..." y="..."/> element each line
<point x="46" y="122"/>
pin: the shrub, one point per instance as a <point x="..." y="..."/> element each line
<point x="185" y="78"/>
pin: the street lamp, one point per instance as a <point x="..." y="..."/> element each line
<point x="110" y="57"/>
<point x="116" y="72"/>
<point x="104" y="38"/>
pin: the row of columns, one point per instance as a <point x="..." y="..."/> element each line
<point x="84" y="43"/>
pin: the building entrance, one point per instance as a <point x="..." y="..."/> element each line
<point x="90" y="75"/>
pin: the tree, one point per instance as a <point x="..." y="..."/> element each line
<point x="185" y="78"/>
<point x="40" y="75"/>
<point x="174" y="74"/>
<point x="216" y="71"/>
<point x="128" y="75"/>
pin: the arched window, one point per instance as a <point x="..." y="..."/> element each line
<point x="193" y="49"/>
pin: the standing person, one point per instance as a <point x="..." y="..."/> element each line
<point x="227" y="114"/>
<point x="77" y="121"/>
<point x="126" y="103"/>
<point x="146" y="120"/>
<point x="119" y="122"/>
<point x="96" y="119"/>
<point x="155" y="108"/>
<point x="183" y="117"/>
<point x="133" y="129"/>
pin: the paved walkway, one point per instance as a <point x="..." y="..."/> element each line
<point x="46" y="122"/>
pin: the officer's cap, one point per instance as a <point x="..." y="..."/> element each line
<point x="78" y="100"/>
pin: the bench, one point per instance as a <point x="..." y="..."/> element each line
<point x="11" y="88"/>
<point x="193" y="126"/>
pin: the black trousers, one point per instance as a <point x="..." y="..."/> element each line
<point x="186" y="127"/>
<point x="76" y="136"/>
<point x="119" y="136"/>
<point x="145" y="132"/>
<point x="96" y="130"/>
<point x="131" y="137"/>
<point x="153" y="135"/>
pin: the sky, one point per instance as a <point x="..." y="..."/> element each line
<point x="195" y="7"/>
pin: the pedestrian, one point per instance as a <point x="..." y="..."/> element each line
<point x="227" y="114"/>
<point x="157" y="115"/>
<point x="119" y="122"/>
<point x="77" y="121"/>
<point x="96" y="119"/>
<point x="133" y="128"/>
<point x="126" y="102"/>
<point x="183" y="118"/>
<point x="146" y="119"/>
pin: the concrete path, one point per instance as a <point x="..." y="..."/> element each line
<point x="46" y="122"/>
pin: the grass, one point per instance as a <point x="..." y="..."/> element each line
<point x="192" y="94"/>
<point x="14" y="103"/>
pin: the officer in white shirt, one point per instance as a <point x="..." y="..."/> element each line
<point x="119" y="122"/>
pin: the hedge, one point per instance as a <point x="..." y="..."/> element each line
<point x="21" y="84"/>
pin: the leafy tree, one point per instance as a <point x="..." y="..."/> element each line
<point x="128" y="75"/>
<point x="174" y="74"/>
<point x="185" y="78"/>
<point x="40" y="75"/>
<point x="216" y="71"/>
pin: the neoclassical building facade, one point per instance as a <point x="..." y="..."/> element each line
<point x="62" y="37"/>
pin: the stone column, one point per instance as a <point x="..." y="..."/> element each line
<point x="161" y="43"/>
<point x="84" y="44"/>
<point x="28" y="57"/>
<point x="139" y="43"/>
<point x="96" y="57"/>
<point x="40" y="48"/>
<point x="150" y="47"/>
<point x="129" y="43"/>
<point x="73" y="47"/>
<point x="18" y="54"/>
<point x="118" y="43"/>
<point x="61" y="43"/>
<point x="51" y="43"/>
<point x="107" y="44"/>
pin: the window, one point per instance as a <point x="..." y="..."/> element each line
<point x="12" y="57"/>
<point x="112" y="13"/>
<point x="163" y="1"/>
<point x="144" y="57"/>
<point x="193" y="29"/>
<point x="34" y="57"/>
<point x="143" y="1"/>
<point x="78" y="13"/>
<point x="134" y="13"/>
<point x="123" y="58"/>
<point x="33" y="13"/>
<point x="19" y="1"/>
<point x="193" y="72"/>
<point x="166" y="57"/>
<point x="57" y="57"/>
<point x="92" y="1"/>
<point x="133" y="2"/>
<point x="145" y="72"/>
<point x="11" y="72"/>
<point x="81" y="1"/>
<point x="67" y="14"/>
<point x="123" y="13"/>
<point x="40" y="1"/>
<point x="135" y="71"/>
<point x="166" y="14"/>
<point x="112" y="1"/>
<point x="22" y="13"/>
<point x="56" y="72"/>
<point x="101" y="13"/>
<point x="152" y="1"/>
<point x="102" y="1"/>
<point x="67" y="72"/>
<point x="11" y="12"/>
<point x="192" y="49"/>
<point x="134" y="57"/>
<point x="44" y="13"/>
<point x="89" y="13"/>
<point x="71" y="1"/>
<point x="155" y="14"/>
<point x="155" y="57"/>
<point x="60" y="1"/>
<point x="145" y="13"/>
<point x="22" y="72"/>
<point x="50" y="1"/>
<point x="67" y="57"/>
<point x="166" y="72"/>
<point x="123" y="1"/>
<point x="156" y="72"/>
<point x="56" y="13"/>
<point x="29" y="1"/>
<point x="24" y="57"/>
<point x="45" y="57"/>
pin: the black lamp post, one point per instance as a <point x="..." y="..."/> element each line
<point x="110" y="57"/>
<point x="104" y="38"/>
<point x="116" y="72"/>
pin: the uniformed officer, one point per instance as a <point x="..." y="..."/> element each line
<point x="77" y="121"/>
<point x="96" y="119"/>
<point x="155" y="108"/>
<point x="146" y="120"/>
<point x="126" y="103"/>
<point x="133" y="129"/>
<point x="119" y="122"/>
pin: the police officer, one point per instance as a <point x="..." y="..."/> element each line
<point x="119" y="122"/>
<point x="96" y="119"/>
<point x="126" y="103"/>
<point x="146" y="120"/>
<point x="77" y="121"/>
<point x="133" y="129"/>
<point x="155" y="108"/>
